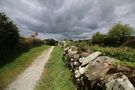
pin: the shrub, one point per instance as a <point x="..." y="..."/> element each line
<point x="26" y="43"/>
<point x="11" y="44"/>
<point x="98" y="38"/>
<point x="9" y="35"/>
<point x="118" y="34"/>
<point x="83" y="46"/>
<point x="121" y="53"/>
<point x="51" y="42"/>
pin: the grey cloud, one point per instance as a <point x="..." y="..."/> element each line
<point x="74" y="19"/>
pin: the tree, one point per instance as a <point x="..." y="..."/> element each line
<point x="9" y="35"/>
<point x="51" y="42"/>
<point x="119" y="34"/>
<point x="98" y="38"/>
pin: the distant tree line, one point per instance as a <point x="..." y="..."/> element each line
<point x="118" y="35"/>
<point x="51" y="41"/>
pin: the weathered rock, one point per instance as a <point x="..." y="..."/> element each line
<point x="99" y="67"/>
<point x="71" y="59"/>
<point x="71" y="53"/>
<point x="74" y="48"/>
<point x="94" y="72"/>
<point x="71" y="65"/>
<point x="90" y="58"/>
<point x="76" y="64"/>
<point x="121" y="68"/>
<point x="77" y="74"/>
<point x="76" y="57"/>
<point x="84" y="54"/>
<point x="82" y="70"/>
<point x="81" y="59"/>
<point x="64" y="53"/>
<point x="120" y="83"/>
<point x="132" y="80"/>
<point x="66" y="49"/>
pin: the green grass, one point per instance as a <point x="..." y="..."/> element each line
<point x="10" y="71"/>
<point x="55" y="75"/>
<point x="126" y="63"/>
<point x="125" y="55"/>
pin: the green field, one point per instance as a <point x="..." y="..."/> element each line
<point x="10" y="71"/>
<point x="55" y="75"/>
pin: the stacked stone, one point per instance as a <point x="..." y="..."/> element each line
<point x="92" y="71"/>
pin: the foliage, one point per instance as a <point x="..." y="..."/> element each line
<point x="81" y="44"/>
<point x="55" y="75"/>
<point x="26" y="43"/>
<point x="98" y="38"/>
<point x="121" y="53"/>
<point x="125" y="63"/>
<point x="11" y="44"/>
<point x="9" y="35"/>
<point x="51" y="42"/>
<point x="117" y="35"/>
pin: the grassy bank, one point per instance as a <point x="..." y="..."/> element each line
<point x="10" y="71"/>
<point x="125" y="56"/>
<point x="55" y="75"/>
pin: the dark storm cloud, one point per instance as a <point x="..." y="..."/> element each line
<point x="74" y="19"/>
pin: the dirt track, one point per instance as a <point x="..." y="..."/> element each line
<point x="28" y="79"/>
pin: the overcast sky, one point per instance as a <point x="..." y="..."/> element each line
<point x="73" y="19"/>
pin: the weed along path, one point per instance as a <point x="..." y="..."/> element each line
<point x="28" y="79"/>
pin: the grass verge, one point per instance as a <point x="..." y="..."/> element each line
<point x="55" y="75"/>
<point x="126" y="63"/>
<point x="125" y="55"/>
<point x="10" y="71"/>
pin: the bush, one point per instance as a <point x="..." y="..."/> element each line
<point x="121" y="53"/>
<point x="26" y="43"/>
<point x="9" y="35"/>
<point x="83" y="46"/>
<point x="11" y="44"/>
<point x="115" y="37"/>
<point x="119" y="34"/>
<point x="51" y="42"/>
<point x="98" y="38"/>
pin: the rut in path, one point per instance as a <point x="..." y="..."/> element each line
<point x="28" y="79"/>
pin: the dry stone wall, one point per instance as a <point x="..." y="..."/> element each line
<point x="92" y="71"/>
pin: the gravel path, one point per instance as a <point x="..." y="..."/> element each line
<point x="27" y="80"/>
